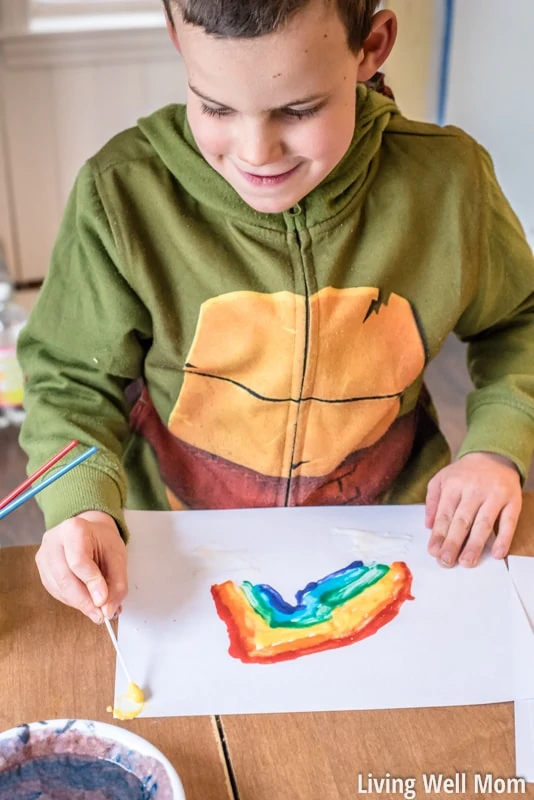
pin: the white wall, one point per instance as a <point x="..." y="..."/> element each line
<point x="413" y="67"/>
<point x="63" y="99"/>
<point x="491" y="91"/>
<point x="6" y="221"/>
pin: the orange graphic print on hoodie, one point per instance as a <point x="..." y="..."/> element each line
<point x="289" y="400"/>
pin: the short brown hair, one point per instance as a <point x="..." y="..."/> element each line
<point x="247" y="19"/>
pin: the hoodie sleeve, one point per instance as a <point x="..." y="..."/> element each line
<point x="83" y="344"/>
<point x="498" y="326"/>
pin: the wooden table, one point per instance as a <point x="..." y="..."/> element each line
<point x="55" y="664"/>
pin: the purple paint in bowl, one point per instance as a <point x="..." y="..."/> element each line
<point x="83" y="760"/>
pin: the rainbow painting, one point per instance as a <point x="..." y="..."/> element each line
<point x="335" y="611"/>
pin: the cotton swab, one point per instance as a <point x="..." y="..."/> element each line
<point x="135" y="693"/>
<point x="116" y="646"/>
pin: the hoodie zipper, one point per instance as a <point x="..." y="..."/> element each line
<point x="296" y="211"/>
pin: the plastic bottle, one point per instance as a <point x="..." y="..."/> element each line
<point x="12" y="320"/>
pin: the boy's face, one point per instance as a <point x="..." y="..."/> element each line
<point x="273" y="115"/>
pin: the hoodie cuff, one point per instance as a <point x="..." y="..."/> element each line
<point x="83" y="489"/>
<point x="506" y="431"/>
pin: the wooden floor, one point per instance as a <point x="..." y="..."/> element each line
<point x="447" y="379"/>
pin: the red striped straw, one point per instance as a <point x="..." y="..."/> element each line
<point x="41" y="471"/>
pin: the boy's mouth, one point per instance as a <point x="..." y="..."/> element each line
<point x="267" y="180"/>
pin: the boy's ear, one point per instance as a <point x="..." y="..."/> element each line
<point x="378" y="44"/>
<point x="171" y="27"/>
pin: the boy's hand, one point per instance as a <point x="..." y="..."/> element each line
<point x="465" y="501"/>
<point x="82" y="563"/>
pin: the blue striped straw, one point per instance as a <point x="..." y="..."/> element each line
<point x="46" y="482"/>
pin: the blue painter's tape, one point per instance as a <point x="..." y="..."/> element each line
<point x="445" y="60"/>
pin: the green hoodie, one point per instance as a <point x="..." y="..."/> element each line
<point x="220" y="357"/>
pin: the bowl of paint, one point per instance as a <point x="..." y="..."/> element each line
<point x="73" y="759"/>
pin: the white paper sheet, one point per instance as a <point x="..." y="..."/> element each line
<point x="463" y="640"/>
<point x="522" y="572"/>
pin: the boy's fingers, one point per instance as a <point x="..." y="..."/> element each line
<point x="507" y="525"/>
<point x="117" y="613"/>
<point x="79" y="556"/>
<point x="459" y="529"/>
<point x="62" y="584"/>
<point x="117" y="577"/>
<point x="433" y="494"/>
<point x="480" y="532"/>
<point x="444" y="515"/>
<point x="435" y="543"/>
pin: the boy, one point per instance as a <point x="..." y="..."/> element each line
<point x="254" y="291"/>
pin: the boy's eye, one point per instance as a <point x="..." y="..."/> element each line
<point x="302" y="113"/>
<point x="221" y="111"/>
<point x="214" y="112"/>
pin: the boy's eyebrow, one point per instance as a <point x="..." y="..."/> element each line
<point x="310" y="99"/>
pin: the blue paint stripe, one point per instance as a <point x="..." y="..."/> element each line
<point x="445" y="61"/>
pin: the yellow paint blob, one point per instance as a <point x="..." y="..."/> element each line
<point x="135" y="693"/>
<point x="130" y="704"/>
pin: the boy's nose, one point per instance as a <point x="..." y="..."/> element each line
<point x="259" y="146"/>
